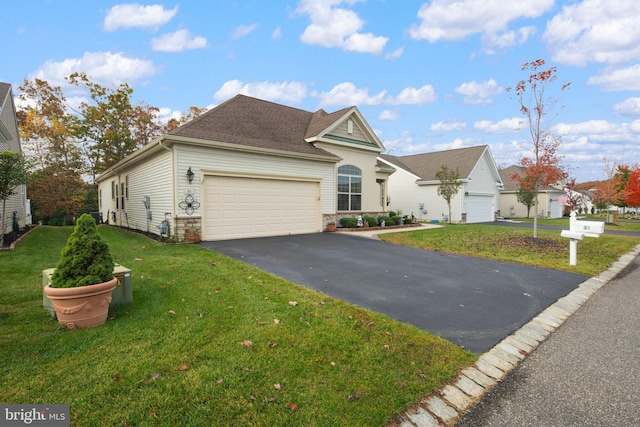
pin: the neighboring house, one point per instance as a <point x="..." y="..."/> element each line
<point x="581" y="200"/>
<point x="249" y="168"/>
<point x="10" y="141"/>
<point x="414" y="188"/>
<point x="550" y="198"/>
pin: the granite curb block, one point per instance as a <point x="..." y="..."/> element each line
<point x="448" y="404"/>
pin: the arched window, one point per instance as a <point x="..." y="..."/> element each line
<point x="349" y="188"/>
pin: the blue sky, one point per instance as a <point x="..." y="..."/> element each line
<point x="427" y="75"/>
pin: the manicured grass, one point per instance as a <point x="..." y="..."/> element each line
<point x="515" y="244"/>
<point x="209" y="341"/>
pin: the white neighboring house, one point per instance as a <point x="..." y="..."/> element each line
<point x="550" y="198"/>
<point x="249" y="168"/>
<point x="10" y="141"/>
<point x="414" y="188"/>
<point x="582" y="200"/>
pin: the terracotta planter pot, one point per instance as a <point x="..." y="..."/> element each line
<point x="331" y="227"/>
<point x="82" y="307"/>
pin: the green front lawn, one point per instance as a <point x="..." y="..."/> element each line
<point x="550" y="250"/>
<point x="209" y="341"/>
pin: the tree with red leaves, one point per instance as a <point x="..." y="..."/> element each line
<point x="543" y="166"/>
<point x="632" y="190"/>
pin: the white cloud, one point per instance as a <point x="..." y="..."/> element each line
<point x="243" y="30"/>
<point x="600" y="31"/>
<point x="178" y="41"/>
<point x="449" y="125"/>
<point x="511" y="125"/>
<point x="347" y="93"/>
<point x="442" y="20"/>
<point x="479" y="93"/>
<point x="102" y="67"/>
<point x="618" y="79"/>
<point x="332" y="26"/>
<point x="395" y="54"/>
<point x="288" y="92"/>
<point x="414" y="96"/>
<point x="628" y="107"/>
<point x="276" y="34"/>
<point x="132" y="15"/>
<point x="388" y="115"/>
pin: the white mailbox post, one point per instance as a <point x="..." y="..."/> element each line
<point x="577" y="231"/>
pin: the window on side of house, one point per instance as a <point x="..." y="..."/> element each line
<point x="349" y="188"/>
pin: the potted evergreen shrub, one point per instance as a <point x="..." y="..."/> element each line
<point x="82" y="283"/>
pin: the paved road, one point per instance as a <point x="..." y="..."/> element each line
<point x="472" y="302"/>
<point x="587" y="373"/>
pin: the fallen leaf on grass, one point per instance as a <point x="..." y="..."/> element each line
<point x="294" y="303"/>
<point x="117" y="378"/>
<point x="354" y="396"/>
<point x="293" y="406"/>
<point x="219" y="382"/>
<point x="277" y="386"/>
<point x="155" y="376"/>
<point x="172" y="312"/>
<point x="272" y="400"/>
<point x="246" y="343"/>
<point x="276" y="321"/>
<point x="186" y="366"/>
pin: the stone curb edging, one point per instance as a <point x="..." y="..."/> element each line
<point x="447" y="405"/>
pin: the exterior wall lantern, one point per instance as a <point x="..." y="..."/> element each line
<point x="190" y="175"/>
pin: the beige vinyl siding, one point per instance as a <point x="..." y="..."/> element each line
<point x="151" y="178"/>
<point x="343" y="131"/>
<point x="14" y="203"/>
<point x="365" y="160"/>
<point x="217" y="161"/>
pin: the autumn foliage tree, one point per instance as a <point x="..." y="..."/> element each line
<point x="543" y="166"/>
<point x="609" y="192"/>
<point x="111" y="126"/>
<point x="58" y="164"/>
<point x="632" y="190"/>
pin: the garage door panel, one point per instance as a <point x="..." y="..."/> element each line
<point x="237" y="207"/>
<point x="479" y="209"/>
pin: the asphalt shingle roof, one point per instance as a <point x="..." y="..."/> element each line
<point x="254" y="122"/>
<point x="426" y="165"/>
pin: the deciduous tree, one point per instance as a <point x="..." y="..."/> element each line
<point x="632" y="190"/>
<point x="543" y="166"/>
<point x="13" y="173"/>
<point x="449" y="184"/>
<point x="111" y="126"/>
<point x="609" y="192"/>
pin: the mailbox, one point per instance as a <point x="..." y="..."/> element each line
<point x="571" y="234"/>
<point x="589" y="228"/>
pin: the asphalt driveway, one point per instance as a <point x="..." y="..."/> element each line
<point x="469" y="301"/>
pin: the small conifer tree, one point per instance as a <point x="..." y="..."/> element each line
<point x="85" y="260"/>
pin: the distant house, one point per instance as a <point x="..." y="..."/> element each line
<point x="414" y="187"/>
<point x="550" y="198"/>
<point x="249" y="168"/>
<point x="10" y="141"/>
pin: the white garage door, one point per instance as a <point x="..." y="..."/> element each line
<point x="479" y="209"/>
<point x="237" y="207"/>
